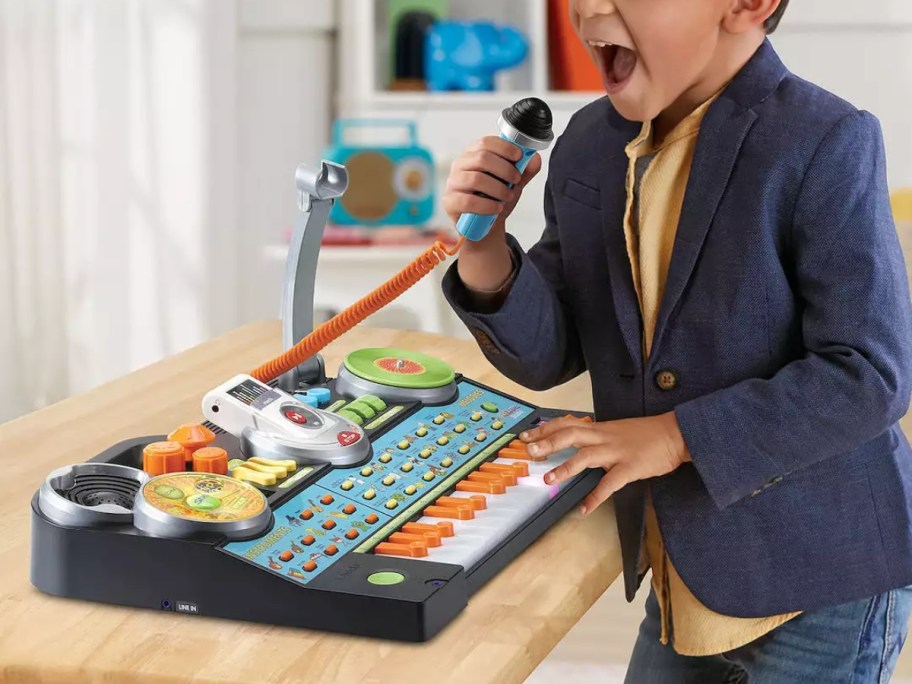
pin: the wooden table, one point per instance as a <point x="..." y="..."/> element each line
<point x="507" y="629"/>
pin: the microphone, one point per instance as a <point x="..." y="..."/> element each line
<point x="527" y="124"/>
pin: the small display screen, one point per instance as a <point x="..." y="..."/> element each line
<point x="248" y="391"/>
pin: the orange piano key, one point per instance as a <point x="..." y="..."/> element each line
<point x="487" y="477"/>
<point x="444" y="528"/>
<point x="508" y="475"/>
<point x="410" y="550"/>
<point x="516" y="444"/>
<point x="521" y="468"/>
<point x="481" y="487"/>
<point x="465" y="513"/>
<point x="476" y="503"/>
<point x="520" y="454"/>
<point x="406" y="538"/>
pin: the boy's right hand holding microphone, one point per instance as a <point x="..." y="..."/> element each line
<point x="478" y="185"/>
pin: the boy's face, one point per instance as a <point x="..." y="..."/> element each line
<point x="650" y="52"/>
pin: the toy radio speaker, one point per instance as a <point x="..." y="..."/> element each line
<point x="389" y="184"/>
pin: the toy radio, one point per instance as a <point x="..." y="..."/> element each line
<point x="373" y="503"/>
<point x="390" y="185"/>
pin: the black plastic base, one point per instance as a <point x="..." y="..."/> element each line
<point x="120" y="565"/>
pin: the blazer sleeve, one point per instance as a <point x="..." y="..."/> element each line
<point x="853" y="382"/>
<point x="531" y="338"/>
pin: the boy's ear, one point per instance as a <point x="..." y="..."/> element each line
<point x="748" y="15"/>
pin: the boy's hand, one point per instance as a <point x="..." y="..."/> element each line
<point x="628" y="450"/>
<point x="486" y="168"/>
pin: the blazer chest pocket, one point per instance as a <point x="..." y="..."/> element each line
<point x="583" y="194"/>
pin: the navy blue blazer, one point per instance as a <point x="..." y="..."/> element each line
<point x="782" y="343"/>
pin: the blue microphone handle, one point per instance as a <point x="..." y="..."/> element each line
<point x="474" y="227"/>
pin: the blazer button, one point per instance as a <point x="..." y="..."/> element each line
<point x="667" y="380"/>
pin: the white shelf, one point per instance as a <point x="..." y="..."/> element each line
<point x="463" y="100"/>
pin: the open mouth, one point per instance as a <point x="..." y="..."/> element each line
<point x="617" y="64"/>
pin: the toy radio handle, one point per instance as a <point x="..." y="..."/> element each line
<point x="317" y="189"/>
<point x="342" y="126"/>
<point x="527" y="124"/>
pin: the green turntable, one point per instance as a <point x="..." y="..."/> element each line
<point x="396" y="375"/>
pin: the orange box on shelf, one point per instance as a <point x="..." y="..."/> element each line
<point x="571" y="66"/>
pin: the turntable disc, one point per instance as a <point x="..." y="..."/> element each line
<point x="397" y="375"/>
<point x="399" y="368"/>
<point x="186" y="503"/>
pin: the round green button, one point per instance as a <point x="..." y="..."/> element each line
<point x="203" y="502"/>
<point x="385" y="579"/>
<point x="489" y="407"/>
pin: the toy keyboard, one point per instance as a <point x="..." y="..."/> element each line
<point x="389" y="546"/>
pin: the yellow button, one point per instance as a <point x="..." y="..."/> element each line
<point x="428" y="476"/>
<point x="411" y="489"/>
<point x="367" y="471"/>
<point x="460" y="428"/>
<point x="348" y="485"/>
<point x="370" y="494"/>
<point x="389" y="479"/>
<point x="447" y="462"/>
<point x="391" y="504"/>
<point x="425" y="453"/>
<point x="443" y="441"/>
<point x="406" y="467"/>
<point x="386" y="458"/>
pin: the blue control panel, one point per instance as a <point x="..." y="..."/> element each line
<point x="333" y="516"/>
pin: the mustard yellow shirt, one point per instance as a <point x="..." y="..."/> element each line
<point x="656" y="183"/>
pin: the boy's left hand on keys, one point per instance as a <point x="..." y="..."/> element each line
<point x="628" y="450"/>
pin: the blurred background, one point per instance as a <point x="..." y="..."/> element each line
<point x="148" y="150"/>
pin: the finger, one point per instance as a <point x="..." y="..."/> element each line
<point x="578" y="436"/>
<point x="490" y="162"/>
<point x="587" y="457"/>
<point x="463" y="203"/>
<point x="616" y="478"/>
<point x="500" y="147"/>
<point x="477" y="181"/>
<point x="532" y="170"/>
<point x="547" y="428"/>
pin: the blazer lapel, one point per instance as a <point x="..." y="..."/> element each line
<point x="616" y="133"/>
<point x="721" y="136"/>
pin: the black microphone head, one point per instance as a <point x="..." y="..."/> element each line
<point x="531" y="117"/>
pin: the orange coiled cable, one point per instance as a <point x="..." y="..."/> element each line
<point x="344" y="321"/>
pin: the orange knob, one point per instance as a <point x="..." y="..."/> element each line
<point x="210" y="460"/>
<point x="192" y="436"/>
<point x="163" y="457"/>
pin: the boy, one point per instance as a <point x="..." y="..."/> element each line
<point x="719" y="255"/>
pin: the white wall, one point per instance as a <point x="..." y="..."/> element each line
<point x="861" y="51"/>
<point x="285" y="76"/>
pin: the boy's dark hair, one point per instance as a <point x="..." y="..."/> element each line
<point x="773" y="22"/>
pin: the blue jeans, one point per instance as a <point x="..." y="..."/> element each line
<point x="853" y="643"/>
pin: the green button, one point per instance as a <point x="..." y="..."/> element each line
<point x="375" y="403"/>
<point x="351" y="415"/>
<point x="489" y="407"/>
<point x="203" y="502"/>
<point x="362" y="409"/>
<point x="385" y="579"/>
